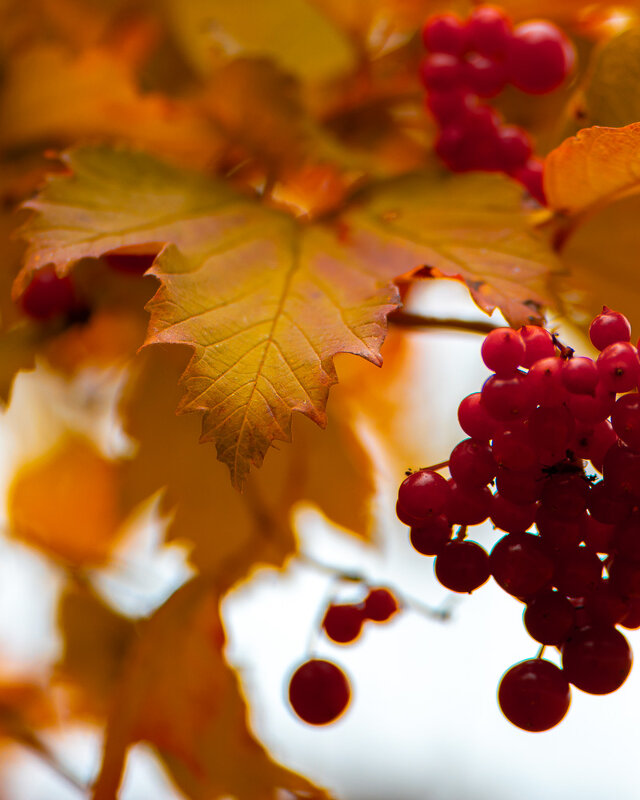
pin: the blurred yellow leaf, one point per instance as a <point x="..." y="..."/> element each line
<point x="593" y="168"/>
<point x="612" y="92"/>
<point x="178" y="693"/>
<point x="294" y="33"/>
<point x="67" y="503"/>
<point x="601" y="257"/>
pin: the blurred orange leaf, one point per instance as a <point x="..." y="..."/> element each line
<point x="178" y="693"/>
<point x="50" y="96"/>
<point x="67" y="503"/>
<point x="593" y="168"/>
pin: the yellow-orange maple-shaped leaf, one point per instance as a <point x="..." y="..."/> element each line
<point x="593" y="168"/>
<point x="266" y="301"/>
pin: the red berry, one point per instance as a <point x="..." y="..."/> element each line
<point x="538" y="343"/>
<point x="474" y="419"/>
<point x="445" y="33"/>
<point x="449" y="106"/>
<point x="534" y="695"/>
<point x="549" y="617"/>
<point x="343" y="623"/>
<point x="609" y="327"/>
<point x="462" y="566"/>
<point x="380" y="605"/>
<point x="319" y="692"/>
<point x="484" y="76"/>
<point x="430" y="536"/>
<point x="619" y="367"/>
<point x="625" y="419"/>
<point x="596" y="659"/>
<point x="422" y="494"/>
<point x="442" y="72"/>
<point x="539" y="57"/>
<point x="48" y="295"/>
<point x="489" y="31"/>
<point x="520" y="564"/>
<point x="503" y="350"/>
<point x="515" y="150"/>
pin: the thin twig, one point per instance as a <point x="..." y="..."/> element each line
<point x="37" y="746"/>
<point x="406" y="319"/>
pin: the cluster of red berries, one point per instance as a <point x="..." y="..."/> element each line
<point x="319" y="690"/>
<point x="476" y="59"/>
<point x="542" y="428"/>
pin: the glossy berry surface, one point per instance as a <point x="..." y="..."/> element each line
<point x="539" y="58"/>
<point x="319" y="692"/>
<point x="597" y="659"/>
<point x="343" y="623"/>
<point x="462" y="566"/>
<point x="534" y="695"/>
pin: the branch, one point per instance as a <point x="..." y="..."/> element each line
<point x="405" y="319"/>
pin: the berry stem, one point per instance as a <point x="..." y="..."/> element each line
<point x="442" y="613"/>
<point x="461" y="533"/>
<point x="540" y="651"/>
<point x="407" y="319"/>
<point x="566" y="352"/>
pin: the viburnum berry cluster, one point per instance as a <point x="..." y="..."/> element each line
<point x="474" y="60"/>
<point x="557" y="436"/>
<point x="319" y="690"/>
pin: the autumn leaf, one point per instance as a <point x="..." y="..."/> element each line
<point x="178" y="693"/>
<point x="294" y="33"/>
<point x="593" y="168"/>
<point x="473" y="228"/>
<point x="266" y="302"/>
<point x="67" y="502"/>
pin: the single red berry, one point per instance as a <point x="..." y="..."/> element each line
<point x="48" y="295"/>
<point x="484" y="76"/>
<point x="539" y="344"/>
<point x="462" y="566"/>
<point x="539" y="57"/>
<point x="319" y="692"/>
<point x="343" y="623"/>
<point x="422" y="494"/>
<point x="596" y="659"/>
<point x="489" y="31"/>
<point x="445" y="33"/>
<point x="380" y="605"/>
<point x="534" y="695"/>
<point x="609" y="327"/>
<point x="430" y="536"/>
